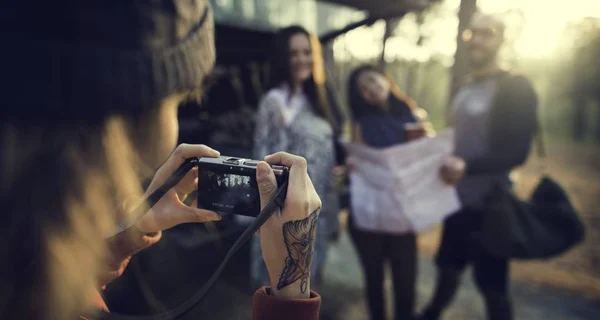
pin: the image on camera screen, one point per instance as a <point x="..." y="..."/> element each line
<point x="227" y="191"/>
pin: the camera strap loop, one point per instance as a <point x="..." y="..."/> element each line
<point x="196" y="298"/>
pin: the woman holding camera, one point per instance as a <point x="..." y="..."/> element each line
<point x="384" y="117"/>
<point x="103" y="114"/>
<point x="295" y="116"/>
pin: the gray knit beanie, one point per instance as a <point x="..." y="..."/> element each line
<point x="78" y="59"/>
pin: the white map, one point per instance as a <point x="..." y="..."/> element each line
<point x="399" y="189"/>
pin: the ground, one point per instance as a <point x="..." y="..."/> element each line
<point x="567" y="287"/>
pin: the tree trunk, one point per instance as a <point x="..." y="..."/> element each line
<point x="390" y="25"/>
<point x="261" y="11"/>
<point x="386" y="35"/>
<point x="411" y="78"/>
<point x="597" y="106"/>
<point x="239" y="7"/>
<point x="579" y="118"/>
<point x="323" y="21"/>
<point x="413" y="66"/>
<point x="460" y="67"/>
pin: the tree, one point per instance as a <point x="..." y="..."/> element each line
<point x="261" y="10"/>
<point x="390" y="26"/>
<point x="412" y="73"/>
<point x="584" y="84"/>
<point x="238" y="6"/>
<point x="460" y="67"/>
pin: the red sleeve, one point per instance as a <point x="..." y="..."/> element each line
<point x="267" y="307"/>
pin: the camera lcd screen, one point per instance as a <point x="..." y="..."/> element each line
<point x="228" y="193"/>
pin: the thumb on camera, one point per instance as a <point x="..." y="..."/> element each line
<point x="267" y="184"/>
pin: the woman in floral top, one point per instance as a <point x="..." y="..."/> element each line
<point x="294" y="116"/>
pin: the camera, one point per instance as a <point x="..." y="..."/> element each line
<point x="228" y="185"/>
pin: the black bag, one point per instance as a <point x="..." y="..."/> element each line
<point x="545" y="226"/>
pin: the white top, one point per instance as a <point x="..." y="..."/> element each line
<point x="289" y="104"/>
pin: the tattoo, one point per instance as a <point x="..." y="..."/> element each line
<point x="299" y="238"/>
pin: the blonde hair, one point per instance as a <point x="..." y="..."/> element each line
<point x="318" y="72"/>
<point x="60" y="187"/>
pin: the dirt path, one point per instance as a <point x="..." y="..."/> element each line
<point x="343" y="299"/>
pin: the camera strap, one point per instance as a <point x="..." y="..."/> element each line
<point x="196" y="298"/>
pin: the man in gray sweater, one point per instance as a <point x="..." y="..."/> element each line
<point x="494" y="117"/>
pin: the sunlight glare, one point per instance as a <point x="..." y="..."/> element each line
<point x="535" y="29"/>
<point x="538" y="34"/>
<point x="363" y="43"/>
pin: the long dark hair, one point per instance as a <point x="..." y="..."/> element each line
<point x="313" y="87"/>
<point x="398" y="101"/>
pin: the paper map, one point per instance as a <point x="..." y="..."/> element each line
<point x="399" y="189"/>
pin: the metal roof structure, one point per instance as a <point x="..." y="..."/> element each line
<point x="384" y="8"/>
<point x="375" y="9"/>
<point x="269" y="15"/>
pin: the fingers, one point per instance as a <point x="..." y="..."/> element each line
<point x="454" y="164"/>
<point x="168" y="213"/>
<point x="267" y="184"/>
<point x="296" y="164"/>
<point x="450" y="175"/>
<point x="452" y="170"/>
<point x="196" y="215"/>
<point x="302" y="198"/>
<point x="188" y="184"/>
<point x="445" y="176"/>
<point x="288" y="160"/>
<point x="183" y="152"/>
<point x="297" y="193"/>
<point x="462" y="164"/>
<point x="314" y="199"/>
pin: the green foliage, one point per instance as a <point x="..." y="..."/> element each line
<point x="579" y="76"/>
<point x="586" y="67"/>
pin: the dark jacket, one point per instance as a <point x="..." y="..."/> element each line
<point x="513" y="124"/>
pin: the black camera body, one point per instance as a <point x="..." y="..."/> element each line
<point x="228" y="185"/>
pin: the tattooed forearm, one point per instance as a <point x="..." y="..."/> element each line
<point x="299" y="238"/>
